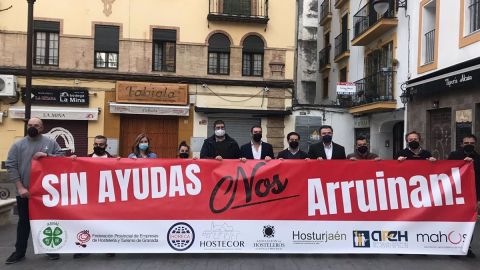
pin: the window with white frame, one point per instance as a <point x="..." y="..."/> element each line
<point x="46" y="40"/>
<point x="106" y="46"/>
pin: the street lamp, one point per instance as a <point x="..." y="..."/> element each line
<point x="405" y="97"/>
<point x="28" y="75"/>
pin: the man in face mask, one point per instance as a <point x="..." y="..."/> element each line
<point x="99" y="147"/>
<point x="257" y="149"/>
<point x="33" y="146"/>
<point x="413" y="150"/>
<point x="362" y="151"/>
<point x="293" y="151"/>
<point x="326" y="149"/>
<point x="220" y="145"/>
<point x="467" y="152"/>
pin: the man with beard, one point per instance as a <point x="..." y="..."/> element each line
<point x="99" y="147"/>
<point x="413" y="150"/>
<point x="326" y="149"/>
<point x="257" y="149"/>
<point x="361" y="151"/>
<point x="220" y="146"/>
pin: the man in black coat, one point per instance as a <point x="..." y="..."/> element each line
<point x="220" y="145"/>
<point x="468" y="153"/>
<point x="413" y="150"/>
<point x="326" y="149"/>
<point x="257" y="149"/>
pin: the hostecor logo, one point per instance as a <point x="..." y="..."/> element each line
<point x="180" y="236"/>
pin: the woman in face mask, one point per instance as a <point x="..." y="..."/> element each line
<point x="183" y="150"/>
<point x="141" y="148"/>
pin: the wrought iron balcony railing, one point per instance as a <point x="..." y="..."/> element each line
<point x="366" y="17"/>
<point x="374" y="88"/>
<point x="249" y="11"/>
<point x="325" y="10"/>
<point x="430" y="47"/>
<point x="324" y="58"/>
<point x="341" y="43"/>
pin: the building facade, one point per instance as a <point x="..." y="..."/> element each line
<point x="169" y="70"/>
<point x="444" y="104"/>
<point x="362" y="66"/>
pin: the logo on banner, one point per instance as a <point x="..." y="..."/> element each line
<point x="268" y="243"/>
<point x="180" y="236"/>
<point x="268" y="231"/>
<point x="453" y="239"/>
<point x="82" y="238"/>
<point x="380" y="239"/>
<point x="221" y="236"/>
<point x="317" y="238"/>
<point x="52" y="236"/>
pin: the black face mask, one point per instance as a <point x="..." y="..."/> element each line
<point x="32" y="132"/>
<point x="362" y="149"/>
<point x="293" y="145"/>
<point x="99" y="151"/>
<point x="183" y="155"/>
<point x="469" y="148"/>
<point x="414" y="144"/>
<point x="327" y="138"/>
<point x="257" y="137"/>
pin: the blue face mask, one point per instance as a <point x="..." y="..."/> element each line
<point x="143" y="146"/>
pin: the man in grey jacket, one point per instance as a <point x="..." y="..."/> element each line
<point x="33" y="146"/>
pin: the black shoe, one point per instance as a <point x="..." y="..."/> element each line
<point x="14" y="258"/>
<point x="470" y="254"/>
<point x="80" y="255"/>
<point x="53" y="256"/>
<point x="110" y="255"/>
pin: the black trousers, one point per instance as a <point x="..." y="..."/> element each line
<point x="23" y="226"/>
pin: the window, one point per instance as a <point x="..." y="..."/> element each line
<point x="325" y="88"/>
<point x="106" y="46"/>
<point x="428" y="35"/>
<point x="46" y="35"/>
<point x="253" y="49"/>
<point x="343" y="75"/>
<point x="310" y="89"/>
<point x="474" y="11"/>
<point x="219" y="54"/>
<point x="164" y="50"/>
<point x="237" y="7"/>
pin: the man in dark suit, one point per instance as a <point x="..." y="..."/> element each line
<point x="326" y="149"/>
<point x="257" y="149"/>
<point x="468" y="153"/>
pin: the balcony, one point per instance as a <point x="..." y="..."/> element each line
<point x="325" y="12"/>
<point x="324" y="59"/>
<point x="342" y="51"/>
<point x="369" y="26"/>
<point x="245" y="11"/>
<point x="374" y="94"/>
<point x="339" y="3"/>
<point x="430" y="47"/>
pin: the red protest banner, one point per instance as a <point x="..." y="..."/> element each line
<point x="153" y="189"/>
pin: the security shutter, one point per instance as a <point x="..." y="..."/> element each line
<point x="308" y="128"/>
<point x="237" y="128"/>
<point x="106" y="38"/>
<point x="72" y="136"/>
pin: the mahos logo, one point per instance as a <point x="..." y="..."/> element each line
<point x="452" y="238"/>
<point x="180" y="236"/>
<point x="52" y="236"/>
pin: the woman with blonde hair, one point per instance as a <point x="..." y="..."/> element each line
<point x="141" y="147"/>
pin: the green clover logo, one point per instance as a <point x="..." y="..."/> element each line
<point x="52" y="238"/>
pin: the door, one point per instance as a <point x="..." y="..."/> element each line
<point x="397" y="145"/>
<point x="162" y="131"/>
<point x="440" y="133"/>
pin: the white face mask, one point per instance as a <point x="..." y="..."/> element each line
<point x="220" y="132"/>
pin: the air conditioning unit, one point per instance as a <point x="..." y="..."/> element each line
<point x="8" y="86"/>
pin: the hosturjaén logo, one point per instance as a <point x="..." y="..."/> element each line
<point x="180" y="236"/>
<point x="268" y="231"/>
